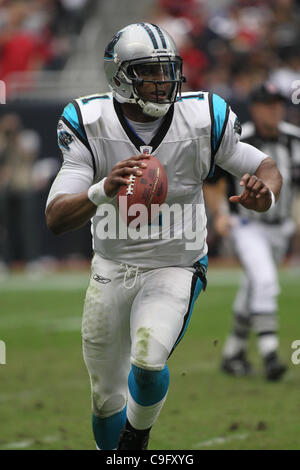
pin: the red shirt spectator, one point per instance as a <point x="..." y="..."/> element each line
<point x="22" y="52"/>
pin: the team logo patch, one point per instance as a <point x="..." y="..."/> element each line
<point x="65" y="139"/>
<point x="109" y="51"/>
<point x="101" y="279"/>
<point x="237" y="127"/>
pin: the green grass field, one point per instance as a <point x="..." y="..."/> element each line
<point x="45" y="394"/>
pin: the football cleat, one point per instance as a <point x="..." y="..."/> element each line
<point x="274" y="369"/>
<point x="129" y="440"/>
<point x="237" y="365"/>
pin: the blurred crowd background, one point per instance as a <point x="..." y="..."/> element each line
<point x="51" y="51"/>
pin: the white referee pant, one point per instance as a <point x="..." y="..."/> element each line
<point x="260" y="248"/>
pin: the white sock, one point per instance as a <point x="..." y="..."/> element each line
<point x="267" y="344"/>
<point x="143" y="417"/>
<point x="233" y="346"/>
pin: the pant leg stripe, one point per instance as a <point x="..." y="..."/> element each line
<point x="196" y="288"/>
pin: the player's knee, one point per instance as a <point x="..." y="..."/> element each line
<point x="106" y="406"/>
<point x="264" y="297"/>
<point x="267" y="288"/>
<point x="147" y="352"/>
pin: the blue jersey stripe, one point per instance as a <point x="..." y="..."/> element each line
<point x="200" y="96"/>
<point x="219" y="113"/>
<point x="92" y="98"/>
<point x="219" y="110"/>
<point x="70" y="114"/>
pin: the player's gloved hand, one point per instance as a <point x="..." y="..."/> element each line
<point x="107" y="188"/>
<point x="118" y="174"/>
<point x="256" y="195"/>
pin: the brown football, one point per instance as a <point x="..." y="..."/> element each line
<point x="148" y="189"/>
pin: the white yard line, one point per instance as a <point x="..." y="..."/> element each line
<point x="38" y="392"/>
<point x="220" y="440"/>
<point x="30" y="442"/>
<point x="32" y="321"/>
<point x="58" y="282"/>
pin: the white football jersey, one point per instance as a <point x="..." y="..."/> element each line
<point x="199" y="131"/>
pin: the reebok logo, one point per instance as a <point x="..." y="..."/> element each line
<point x="101" y="279"/>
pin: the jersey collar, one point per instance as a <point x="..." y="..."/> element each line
<point x="134" y="138"/>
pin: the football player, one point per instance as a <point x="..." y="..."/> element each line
<point x="142" y="291"/>
<point x="261" y="240"/>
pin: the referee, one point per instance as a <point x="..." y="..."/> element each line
<point x="261" y="240"/>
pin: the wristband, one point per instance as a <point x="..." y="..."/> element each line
<point x="96" y="193"/>
<point x="272" y="200"/>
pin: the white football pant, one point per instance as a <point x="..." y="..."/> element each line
<point x="260" y="248"/>
<point x="131" y="315"/>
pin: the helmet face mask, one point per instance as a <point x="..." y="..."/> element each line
<point x="162" y="78"/>
<point x="140" y="72"/>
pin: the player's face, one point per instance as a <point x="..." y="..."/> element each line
<point x="157" y="81"/>
<point x="268" y="115"/>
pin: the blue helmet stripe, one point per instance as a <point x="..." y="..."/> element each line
<point x="151" y="35"/>
<point x="161" y="35"/>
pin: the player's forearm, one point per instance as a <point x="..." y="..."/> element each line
<point x="215" y="197"/>
<point x="69" y="212"/>
<point x="270" y="175"/>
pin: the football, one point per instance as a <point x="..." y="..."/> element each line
<point x="148" y="189"/>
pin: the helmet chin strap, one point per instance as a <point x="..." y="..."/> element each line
<point x="154" y="109"/>
<point x="148" y="108"/>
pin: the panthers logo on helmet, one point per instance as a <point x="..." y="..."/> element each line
<point x="109" y="51"/>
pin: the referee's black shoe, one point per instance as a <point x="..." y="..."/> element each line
<point x="237" y="365"/>
<point x="131" y="439"/>
<point x="274" y="368"/>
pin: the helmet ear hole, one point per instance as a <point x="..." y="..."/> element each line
<point x="117" y="81"/>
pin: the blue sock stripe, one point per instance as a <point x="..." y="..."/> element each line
<point x="148" y="387"/>
<point x="107" y="430"/>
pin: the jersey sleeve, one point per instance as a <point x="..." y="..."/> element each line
<point x="78" y="169"/>
<point x="223" y="123"/>
<point x="227" y="151"/>
<point x="245" y="159"/>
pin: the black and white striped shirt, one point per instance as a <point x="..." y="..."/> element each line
<point x="285" y="151"/>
